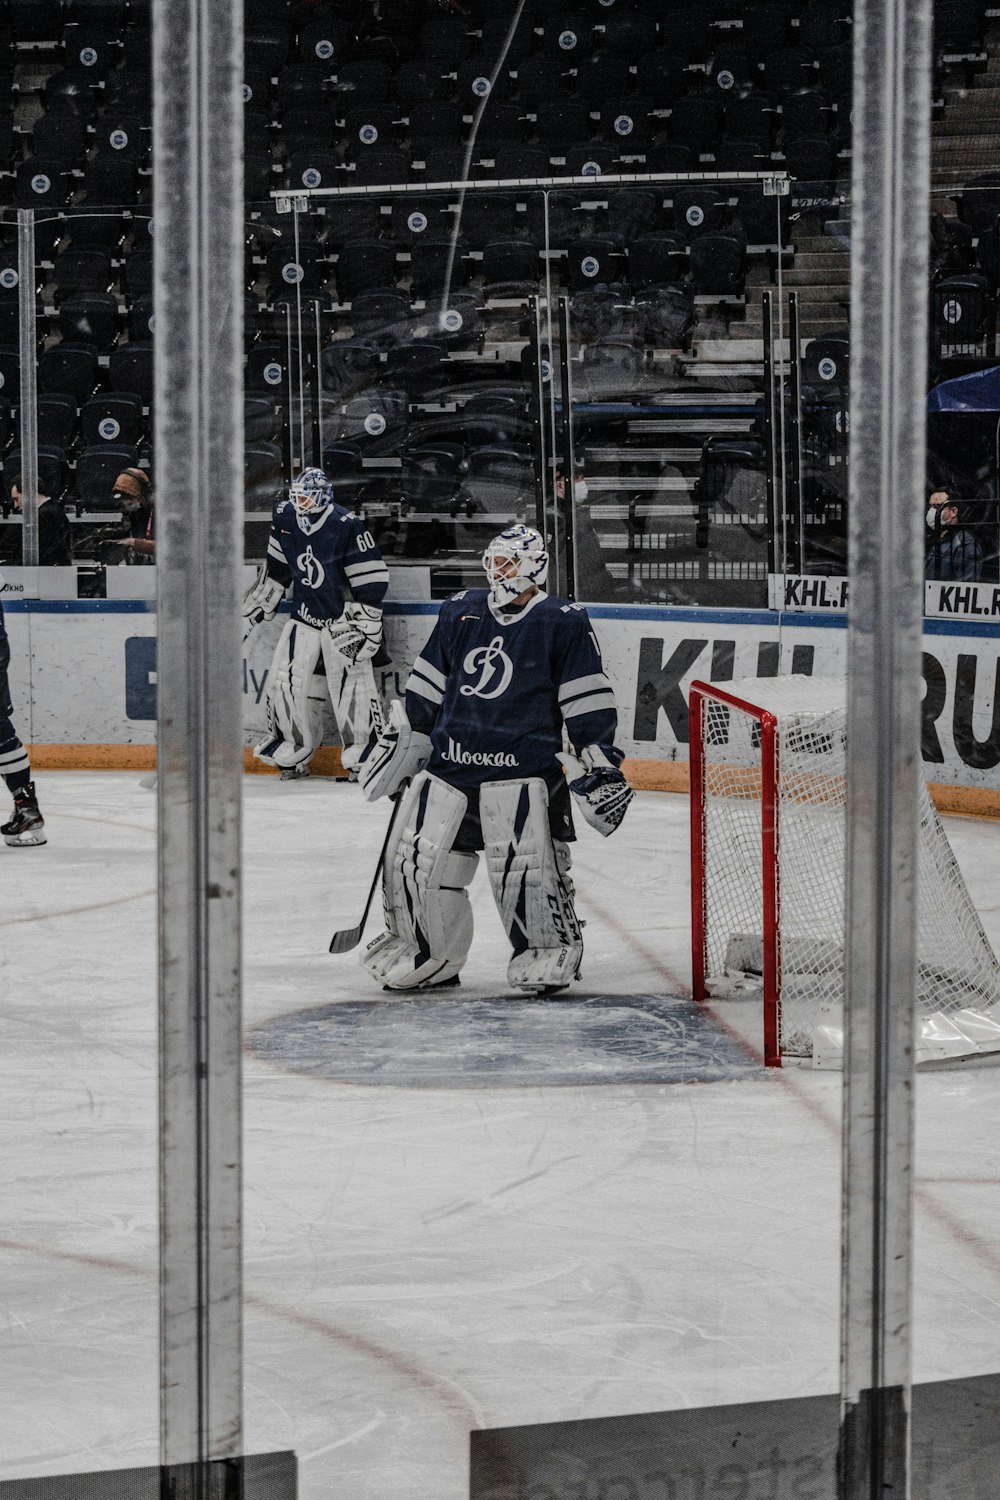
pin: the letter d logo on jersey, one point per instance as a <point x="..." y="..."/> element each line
<point x="311" y="569"/>
<point x="490" y="661"/>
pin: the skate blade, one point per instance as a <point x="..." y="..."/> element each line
<point x="24" y="840"/>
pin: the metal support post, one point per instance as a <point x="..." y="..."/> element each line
<point x="198" y="292"/>
<point x="27" y="348"/>
<point x="889" y="253"/>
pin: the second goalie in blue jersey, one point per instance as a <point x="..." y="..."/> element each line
<point x="509" y="718"/>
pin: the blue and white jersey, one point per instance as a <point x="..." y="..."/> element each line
<point x="328" y="560"/>
<point x="495" y="690"/>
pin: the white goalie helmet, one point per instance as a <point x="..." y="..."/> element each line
<point x="311" y="493"/>
<point x="514" y="561"/>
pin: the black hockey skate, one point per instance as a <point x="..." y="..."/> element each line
<point x="27" y="827"/>
<point x="295" y="773"/>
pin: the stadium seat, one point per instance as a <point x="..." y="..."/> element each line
<point x="599" y="312"/>
<point x="10" y="374"/>
<point x="731" y="67"/>
<point x="826" y="365"/>
<point x="629" y="35"/>
<point x="592" y="159"/>
<point x="379" y="167"/>
<point x="695" y="122"/>
<point x="592" y="260"/>
<point x="313" y="169"/>
<point x="430" y="474"/>
<point x="140" y="319"/>
<point x="627" y="123"/>
<point x="510" y="263"/>
<point x="961" y="308"/>
<point x="263" y="475"/>
<point x="111" y="417"/>
<point x="810" y="160"/>
<point x="501" y="479"/>
<point x="978" y="202"/>
<point x="51" y="470"/>
<point x="634" y="211"/>
<point x="364" y="264"/>
<point x="415" y="217"/>
<point x="56" y="415"/>
<point x="697" y="210"/>
<point x="415" y="365"/>
<point x="718" y="264"/>
<point x="96" y="471"/>
<point x="457" y="322"/>
<point x="381" y="314"/>
<point x="375" y="419"/>
<point x="71" y="367"/>
<point x="130" y="368"/>
<point x="429" y="265"/>
<point x="91" y="318"/>
<point x="291" y="265"/>
<point x="348" y="366"/>
<point x="351" y="219"/>
<point x="611" y="369"/>
<point x="656" y="259"/>
<point x="42" y="183"/>
<point x="664" y="315"/>
<point x="260" y="419"/>
<point x="563" y="123"/>
<point x="808" y="112"/>
<point x="488" y="216"/>
<point x="82" y="270"/>
<point x="60" y="135"/>
<point x="497" y="416"/>
<point x="568" y="36"/>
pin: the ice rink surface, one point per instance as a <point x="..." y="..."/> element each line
<point x="426" y="1256"/>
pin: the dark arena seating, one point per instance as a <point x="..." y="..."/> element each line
<point x="409" y="331"/>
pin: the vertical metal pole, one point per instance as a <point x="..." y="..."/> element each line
<point x="891" y="156"/>
<point x="795" y="435"/>
<point x="771" y="439"/>
<point x="28" y="345"/>
<point x="197" y="148"/>
<point x="568" y="460"/>
<point x="538" y="425"/>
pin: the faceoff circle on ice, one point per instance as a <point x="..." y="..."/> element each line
<point x="624" y="125"/>
<point x="368" y="135"/>
<point x="272" y="374"/>
<point x="480" y="87"/>
<point x="375" y="424"/>
<point x="567" y="40"/>
<point x="108" y="428"/>
<point x="695" y="216"/>
<point x="417" y="223"/>
<point x="952" y="311"/>
<point x="827" y="368"/>
<point x="311" y="177"/>
<point x="8" y="278"/>
<point x="88" y="57"/>
<point x="40" y="184"/>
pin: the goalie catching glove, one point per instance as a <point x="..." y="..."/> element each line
<point x="601" y="789"/>
<point x="357" y="633"/>
<point x="392" y="757"/>
<point x="261" y="600"/>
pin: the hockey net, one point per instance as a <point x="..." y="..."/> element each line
<point x="768" y="849"/>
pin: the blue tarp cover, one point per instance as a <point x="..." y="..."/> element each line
<point x="978" y="392"/>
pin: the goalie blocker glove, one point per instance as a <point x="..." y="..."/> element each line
<point x="392" y="757"/>
<point x="357" y="633"/>
<point x="601" y="790"/>
<point x="261" y="600"/>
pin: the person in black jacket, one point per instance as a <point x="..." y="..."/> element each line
<point x="26" y="827"/>
<point x="54" y="548"/>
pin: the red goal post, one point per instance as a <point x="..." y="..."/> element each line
<point x="762" y="786"/>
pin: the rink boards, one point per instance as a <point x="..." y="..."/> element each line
<point x="83" y="677"/>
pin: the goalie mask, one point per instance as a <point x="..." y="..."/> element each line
<point x="312" y="495"/>
<point x="514" y="561"/>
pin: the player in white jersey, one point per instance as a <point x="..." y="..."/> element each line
<point x="509" y="690"/>
<point x="338" y="581"/>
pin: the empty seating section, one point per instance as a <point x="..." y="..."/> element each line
<point x="388" y="329"/>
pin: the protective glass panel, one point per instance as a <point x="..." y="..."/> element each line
<point x="676" y="377"/>
<point x="79" y="1365"/>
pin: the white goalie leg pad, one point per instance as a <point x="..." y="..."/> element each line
<point x="291" y="724"/>
<point x="529" y="879"/>
<point x="428" y="915"/>
<point x="357" y="703"/>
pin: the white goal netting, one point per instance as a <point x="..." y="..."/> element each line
<point x="958" y="977"/>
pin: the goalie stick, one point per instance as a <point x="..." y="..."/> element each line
<point x="350" y="937"/>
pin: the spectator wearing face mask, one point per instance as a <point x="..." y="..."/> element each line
<point x="133" y="491"/>
<point x="953" y="552"/>
<point x="593" y="583"/>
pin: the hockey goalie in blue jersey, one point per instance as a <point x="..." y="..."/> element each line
<point x="338" y="581"/>
<point x="509" y="720"/>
